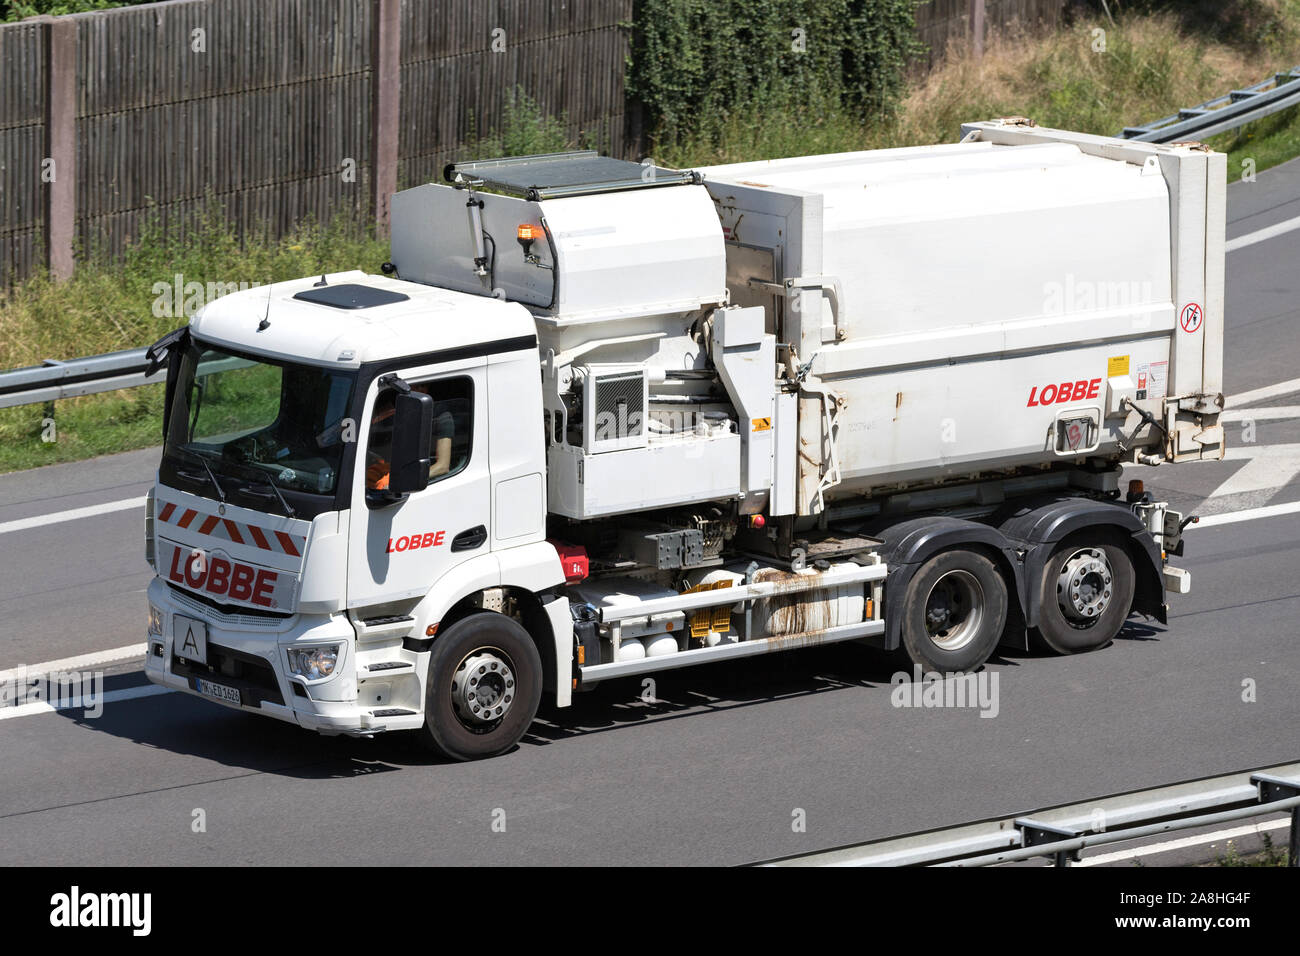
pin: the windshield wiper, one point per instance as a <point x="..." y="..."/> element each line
<point x="288" y="508"/>
<point x="265" y="480"/>
<point x="221" y="492"/>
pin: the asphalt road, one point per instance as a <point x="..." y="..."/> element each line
<point x="728" y="759"/>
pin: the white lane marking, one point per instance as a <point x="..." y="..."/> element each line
<point x="1252" y="514"/>
<point x="1268" y="467"/>
<point x="1169" y="845"/>
<point x="1250" y="238"/>
<point x="81" y="662"/>
<point x="1260" y="394"/>
<point x="1260" y="414"/>
<point x="40" y="521"/>
<point x="111" y="697"/>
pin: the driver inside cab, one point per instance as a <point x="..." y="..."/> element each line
<point x="381" y="439"/>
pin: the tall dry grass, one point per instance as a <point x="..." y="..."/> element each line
<point x="1093" y="77"/>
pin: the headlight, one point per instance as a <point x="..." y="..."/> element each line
<point x="313" y="663"/>
<point x="155" y="620"/>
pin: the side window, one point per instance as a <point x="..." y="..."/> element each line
<point x="453" y="424"/>
<point x="453" y="430"/>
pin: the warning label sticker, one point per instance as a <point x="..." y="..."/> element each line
<point x="1152" y="380"/>
<point x="1116" y="365"/>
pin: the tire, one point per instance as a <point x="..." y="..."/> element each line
<point x="954" y="611"/>
<point x="485" y="658"/>
<point x="1089" y="616"/>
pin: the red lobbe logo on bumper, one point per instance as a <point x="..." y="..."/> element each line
<point x="223" y="577"/>
<point x="1065" y="392"/>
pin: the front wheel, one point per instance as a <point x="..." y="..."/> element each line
<point x="954" y="611"/>
<point x="483" y="688"/>
<point x="1086" y="592"/>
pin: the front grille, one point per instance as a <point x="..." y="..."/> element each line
<point x="251" y="675"/>
<point x="207" y="608"/>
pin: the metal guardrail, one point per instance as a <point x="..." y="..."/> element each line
<point x="1062" y="832"/>
<point x="1222" y="114"/>
<point x="85" y="376"/>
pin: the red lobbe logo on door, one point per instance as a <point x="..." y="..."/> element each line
<point x="414" y="542"/>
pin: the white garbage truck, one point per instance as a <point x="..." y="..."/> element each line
<point x="597" y="419"/>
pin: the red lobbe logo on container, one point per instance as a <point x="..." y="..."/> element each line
<point x="1060" y="394"/>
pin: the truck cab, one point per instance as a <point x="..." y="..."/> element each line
<point x="307" y="540"/>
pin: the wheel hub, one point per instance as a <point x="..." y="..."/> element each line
<point x="954" y="610"/>
<point x="1085" y="585"/>
<point x="483" y="687"/>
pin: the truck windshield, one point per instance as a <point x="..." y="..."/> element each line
<point x="258" y="420"/>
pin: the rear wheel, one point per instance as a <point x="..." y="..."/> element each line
<point x="1086" y="592"/>
<point x="483" y="688"/>
<point x="954" y="612"/>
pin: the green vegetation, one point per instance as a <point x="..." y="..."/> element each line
<point x="12" y="10"/>
<point x="698" y="66"/>
<point x="525" y="130"/>
<point x="1269" y="855"/>
<point x="1091" y="76"/>
<point x="83" y="428"/>
<point x="121" y="304"/>
<point x="1268" y="142"/>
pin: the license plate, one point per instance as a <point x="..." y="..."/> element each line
<point x="190" y="639"/>
<point x="217" y="691"/>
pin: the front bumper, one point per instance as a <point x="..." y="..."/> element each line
<point x="249" y="655"/>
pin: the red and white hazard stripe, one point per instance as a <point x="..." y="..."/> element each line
<point x="213" y="526"/>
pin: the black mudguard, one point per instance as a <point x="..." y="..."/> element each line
<point x="1036" y="528"/>
<point x="910" y="543"/>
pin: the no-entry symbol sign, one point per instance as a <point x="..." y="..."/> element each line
<point x="1191" y="318"/>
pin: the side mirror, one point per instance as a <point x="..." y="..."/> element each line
<point x="412" y="435"/>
